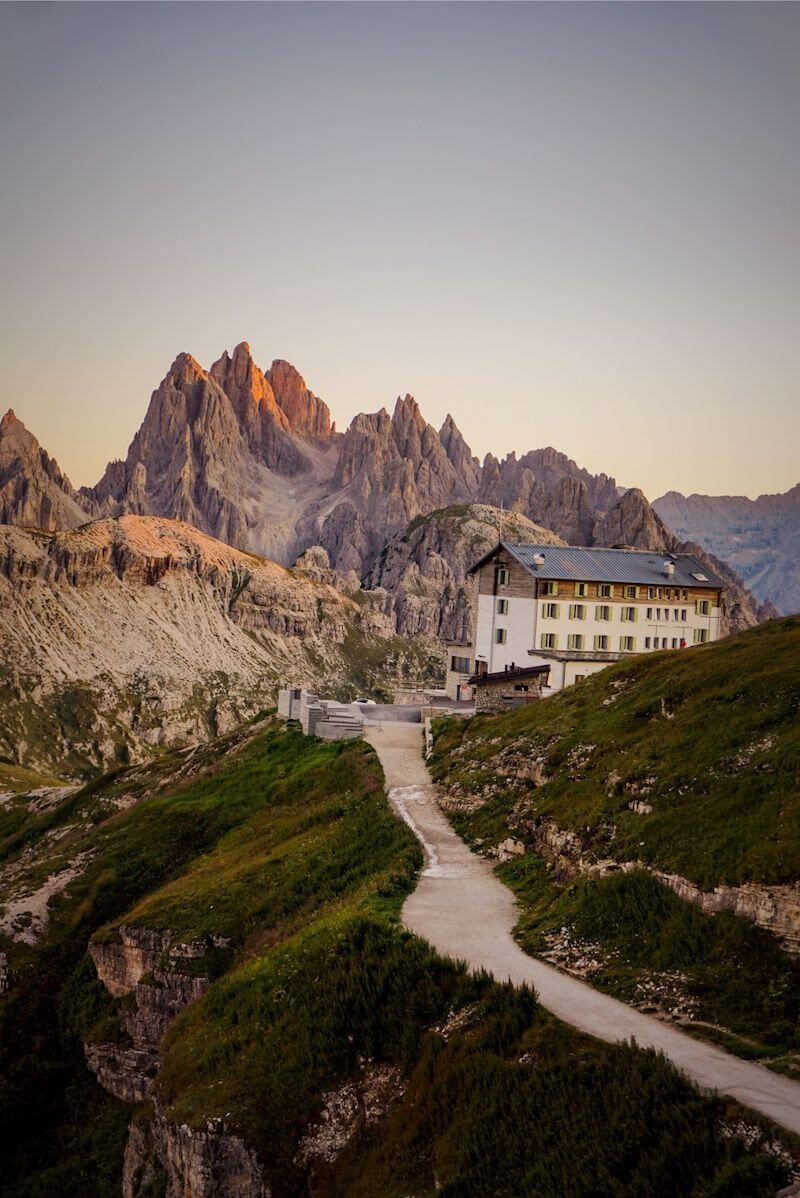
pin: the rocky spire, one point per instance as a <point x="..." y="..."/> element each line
<point x="465" y="465"/>
<point x="33" y="489"/>
<point x="305" y="411"/>
<point x="633" y="522"/>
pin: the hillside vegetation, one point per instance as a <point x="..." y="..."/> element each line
<point x="331" y="1051"/>
<point x="682" y="763"/>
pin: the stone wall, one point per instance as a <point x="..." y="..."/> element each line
<point x="500" y="694"/>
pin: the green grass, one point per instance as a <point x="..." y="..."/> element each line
<point x="644" y="932"/>
<point x="709" y="737"/>
<point x="286" y="847"/>
<point x="509" y="1103"/>
<point x="711" y="740"/>
<point x="19" y="780"/>
<point x="276" y="827"/>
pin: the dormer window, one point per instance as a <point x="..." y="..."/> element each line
<point x="502" y="576"/>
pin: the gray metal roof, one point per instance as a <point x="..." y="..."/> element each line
<point x="572" y="562"/>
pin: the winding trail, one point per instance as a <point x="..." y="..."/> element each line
<point x="464" y="911"/>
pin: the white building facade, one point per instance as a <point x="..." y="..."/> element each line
<point x="579" y="609"/>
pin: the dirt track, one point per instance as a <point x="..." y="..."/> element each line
<point x="462" y="909"/>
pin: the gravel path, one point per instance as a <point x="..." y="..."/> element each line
<point x="463" y="909"/>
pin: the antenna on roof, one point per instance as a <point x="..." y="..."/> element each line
<point x="502" y="517"/>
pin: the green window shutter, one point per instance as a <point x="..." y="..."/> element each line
<point x="597" y="613"/>
<point x="571" y="611"/>
<point x="557" y="612"/>
<point x="635" y="614"/>
<point x="633" y="643"/>
<point x="555" y="640"/>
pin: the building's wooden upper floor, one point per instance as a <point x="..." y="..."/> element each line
<point x="598" y="575"/>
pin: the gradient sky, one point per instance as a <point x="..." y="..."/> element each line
<point x="574" y="225"/>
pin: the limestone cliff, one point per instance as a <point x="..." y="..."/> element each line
<point x="135" y="633"/>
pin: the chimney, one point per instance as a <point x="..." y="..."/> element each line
<point x="538" y="559"/>
<point x="669" y="569"/>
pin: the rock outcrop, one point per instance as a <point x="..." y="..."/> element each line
<point x="632" y="523"/>
<point x="424" y="568"/>
<point x="189" y="1162"/>
<point x="33" y="490"/>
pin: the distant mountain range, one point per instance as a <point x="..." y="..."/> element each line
<point x="252" y="457"/>
<point x="760" y="537"/>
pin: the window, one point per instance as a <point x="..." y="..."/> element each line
<point x="666" y="613"/>
<point x="651" y="592"/>
<point x="575" y="640"/>
<point x="605" y="590"/>
<point x="649" y="613"/>
<point x="627" y="644"/>
<point x="549" y="588"/>
<point x="630" y="592"/>
<point x="601" y="642"/>
<point x="655" y="642"/>
<point x="502" y="607"/>
<point x="700" y="636"/>
<point x="602" y="613"/>
<point x="500" y="636"/>
<point x="549" y="640"/>
<point x="684" y="594"/>
<point x="703" y="607"/>
<point x="676" y="613"/>
<point x="683" y="613"/>
<point x="579" y="677"/>
<point x="502" y="576"/>
<point x="550" y="610"/>
<point x="674" y="642"/>
<point x="577" y="611"/>
<point x="658" y="613"/>
<point x="461" y="665"/>
<point x="629" y="614"/>
<point x="647" y="642"/>
<point x="581" y="589"/>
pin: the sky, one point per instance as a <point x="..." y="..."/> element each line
<point x="567" y="224"/>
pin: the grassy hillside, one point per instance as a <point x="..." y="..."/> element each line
<point x="282" y="852"/>
<point x="706" y="744"/>
<point x="709" y="737"/>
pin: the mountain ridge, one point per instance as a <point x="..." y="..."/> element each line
<point x="252" y="458"/>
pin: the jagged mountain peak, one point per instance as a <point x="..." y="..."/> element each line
<point x="9" y="421"/>
<point x="306" y="412"/>
<point x="33" y="489"/>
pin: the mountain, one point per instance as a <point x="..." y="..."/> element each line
<point x="760" y="538"/>
<point x="206" y="991"/>
<point x="135" y="633"/>
<point x="424" y="568"/>
<point x="649" y="824"/>
<point x="33" y="490"/>
<point x="221" y="450"/>
<point x="252" y="458"/>
<point x="632" y="521"/>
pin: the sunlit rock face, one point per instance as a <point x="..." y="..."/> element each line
<point x="251" y="457"/>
